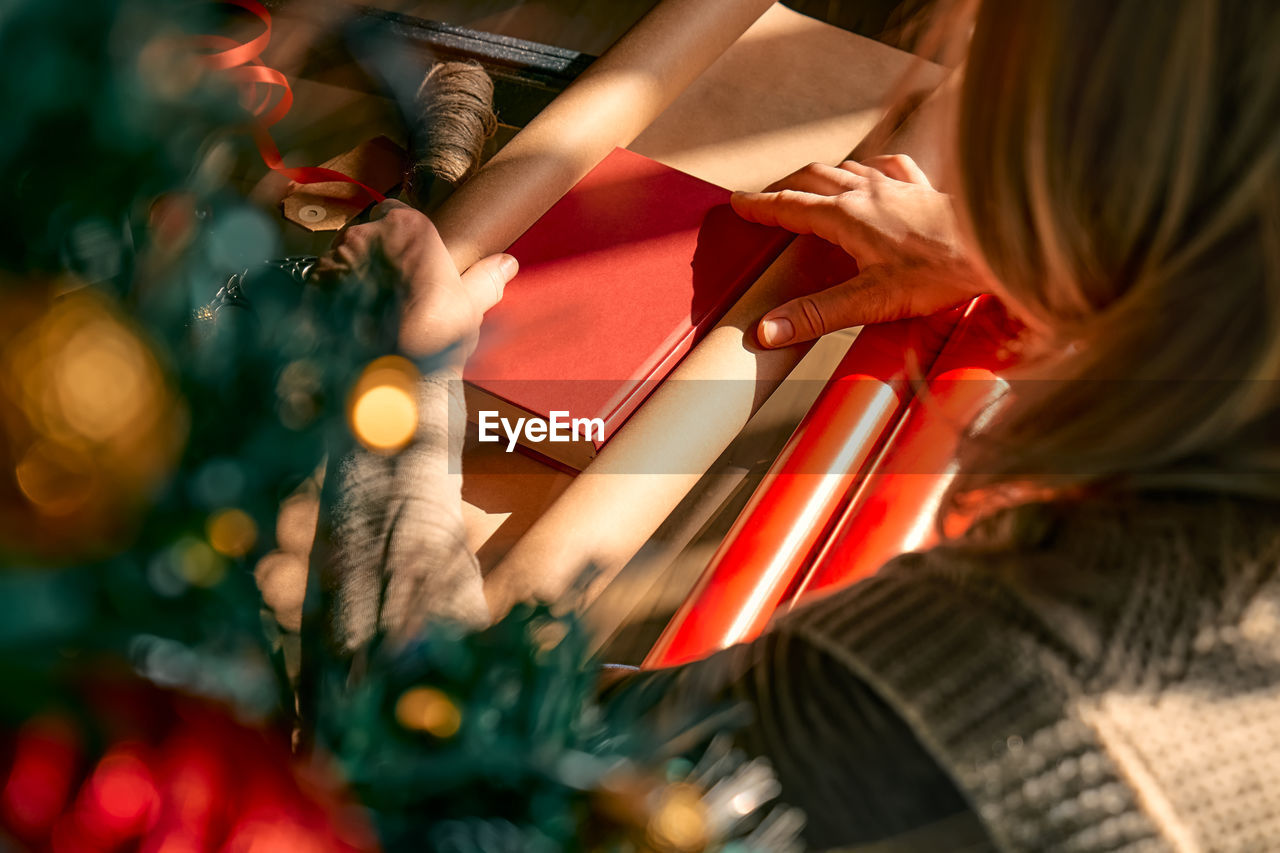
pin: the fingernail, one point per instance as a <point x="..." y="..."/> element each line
<point x="776" y="331"/>
<point x="509" y="266"/>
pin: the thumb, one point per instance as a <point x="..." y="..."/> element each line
<point x="871" y="297"/>
<point x="486" y="279"/>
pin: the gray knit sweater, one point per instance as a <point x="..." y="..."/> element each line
<point x="1087" y="677"/>
<point x="399" y="555"/>
<point x="1095" y="677"/>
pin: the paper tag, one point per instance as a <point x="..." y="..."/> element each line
<point x="379" y="163"/>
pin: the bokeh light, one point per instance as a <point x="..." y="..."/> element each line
<point x="384" y="411"/>
<point x="241" y="237"/>
<point x="429" y="710"/>
<point x="232" y="532"/>
<point x="120" y="798"/>
<point x="44" y="763"/>
<point x="160" y="771"/>
<point x="195" y="562"/>
<point x="679" y="821"/>
<point x="299" y="389"/>
<point x="88" y="422"/>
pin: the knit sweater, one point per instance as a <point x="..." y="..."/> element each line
<point x="1100" y="676"/>
<point x="399" y="556"/>
<point x="1096" y="677"/>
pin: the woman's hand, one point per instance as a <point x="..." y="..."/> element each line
<point x="901" y="231"/>
<point x="441" y="308"/>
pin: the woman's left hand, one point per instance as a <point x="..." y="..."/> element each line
<point x="884" y="212"/>
<point x="442" y="309"/>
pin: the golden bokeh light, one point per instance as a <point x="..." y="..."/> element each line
<point x="88" y="422"/>
<point x="384" y="418"/>
<point x="231" y="532"/>
<point x="102" y="379"/>
<point x="56" y="480"/>
<point x="384" y="410"/>
<point x="426" y="709"/>
<point x="680" y="821"/>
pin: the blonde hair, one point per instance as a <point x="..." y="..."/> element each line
<point x="1117" y="167"/>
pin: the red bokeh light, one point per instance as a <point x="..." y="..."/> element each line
<point x="44" y="762"/>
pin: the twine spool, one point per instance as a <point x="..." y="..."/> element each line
<point x="454" y="119"/>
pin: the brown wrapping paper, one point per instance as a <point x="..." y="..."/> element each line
<point x="607" y="107"/>
<point x="791" y="91"/>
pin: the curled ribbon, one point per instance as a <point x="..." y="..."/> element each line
<point x="242" y="62"/>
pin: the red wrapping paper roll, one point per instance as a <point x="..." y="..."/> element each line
<point x="774" y="537"/>
<point x="894" y="509"/>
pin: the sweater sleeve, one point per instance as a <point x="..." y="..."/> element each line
<point x="400" y="555"/>
<point x="840" y="753"/>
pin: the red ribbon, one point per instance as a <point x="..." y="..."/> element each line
<point x="242" y="62"/>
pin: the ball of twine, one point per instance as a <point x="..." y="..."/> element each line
<point x="454" y="120"/>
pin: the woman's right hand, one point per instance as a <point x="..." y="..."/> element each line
<point x="441" y="310"/>
<point x="902" y="232"/>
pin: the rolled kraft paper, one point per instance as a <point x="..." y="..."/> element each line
<point x="609" y="510"/>
<point x="607" y="107"/>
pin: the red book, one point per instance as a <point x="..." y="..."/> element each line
<point x="617" y="283"/>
